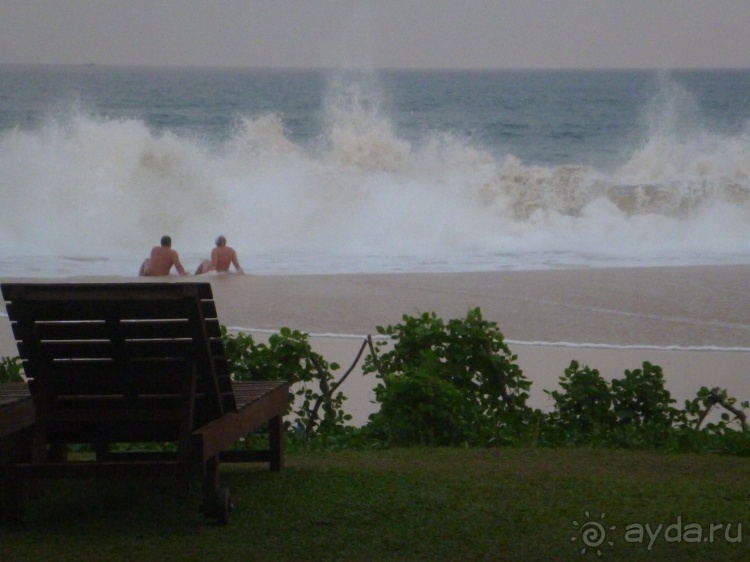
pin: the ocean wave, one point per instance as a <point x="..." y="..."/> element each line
<point x="83" y="185"/>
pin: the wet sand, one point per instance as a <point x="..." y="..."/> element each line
<point x="692" y="321"/>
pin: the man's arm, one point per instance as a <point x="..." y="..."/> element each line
<point x="236" y="263"/>
<point x="176" y="263"/>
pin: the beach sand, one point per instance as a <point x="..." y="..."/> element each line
<point x="694" y="321"/>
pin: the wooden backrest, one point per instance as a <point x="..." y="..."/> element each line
<point x="121" y="342"/>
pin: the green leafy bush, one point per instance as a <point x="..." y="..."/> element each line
<point x="728" y="435"/>
<point x="697" y="410"/>
<point x="288" y="356"/>
<point x="420" y="407"/>
<point x="635" y="411"/>
<point x="11" y="369"/>
<point x="447" y="384"/>
<point x="641" y="400"/>
<point x="584" y="409"/>
<point x="457" y="383"/>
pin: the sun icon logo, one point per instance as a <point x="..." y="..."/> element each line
<point x="592" y="534"/>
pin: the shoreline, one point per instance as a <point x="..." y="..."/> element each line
<point x="693" y="321"/>
<point x="665" y="307"/>
<point x="685" y="371"/>
<point x="685" y="306"/>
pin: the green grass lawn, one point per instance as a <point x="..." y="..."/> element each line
<point x="410" y="504"/>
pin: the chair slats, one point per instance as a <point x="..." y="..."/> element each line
<point x="126" y="362"/>
<point x="68" y="332"/>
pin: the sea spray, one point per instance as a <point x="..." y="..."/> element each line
<point x="361" y="180"/>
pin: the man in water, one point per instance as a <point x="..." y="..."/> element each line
<point x="161" y="261"/>
<point x="222" y="256"/>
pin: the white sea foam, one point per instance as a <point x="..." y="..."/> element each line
<point x="86" y="194"/>
<point x="538" y="343"/>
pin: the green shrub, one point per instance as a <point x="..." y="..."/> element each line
<point x="634" y="411"/>
<point x="584" y="409"/>
<point x="697" y="410"/>
<point x="11" y="370"/>
<point x="448" y="384"/>
<point x="420" y="407"/>
<point x="457" y="383"/>
<point x="640" y="398"/>
<point x="728" y="435"/>
<point x="288" y="356"/>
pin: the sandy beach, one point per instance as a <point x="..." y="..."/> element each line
<point x="692" y="321"/>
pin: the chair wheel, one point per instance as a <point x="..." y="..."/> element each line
<point x="223" y="505"/>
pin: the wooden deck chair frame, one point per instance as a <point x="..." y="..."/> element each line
<point x="130" y="363"/>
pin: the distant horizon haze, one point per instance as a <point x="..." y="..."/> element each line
<point x="380" y="35"/>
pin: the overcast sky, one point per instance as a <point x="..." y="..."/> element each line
<point x="380" y="33"/>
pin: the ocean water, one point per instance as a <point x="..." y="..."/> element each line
<point x="336" y="172"/>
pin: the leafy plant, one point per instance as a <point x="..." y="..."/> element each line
<point x="420" y="407"/>
<point x="457" y="383"/>
<point x="640" y="398"/>
<point x="585" y="406"/>
<point x="451" y="383"/>
<point x="637" y="411"/>
<point x="288" y="356"/>
<point x="698" y="409"/>
<point x="11" y="370"/>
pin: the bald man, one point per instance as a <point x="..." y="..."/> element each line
<point x="222" y="256"/>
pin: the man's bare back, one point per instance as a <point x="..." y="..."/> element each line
<point x="222" y="256"/>
<point x="161" y="260"/>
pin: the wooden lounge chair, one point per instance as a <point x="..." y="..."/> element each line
<point x="16" y="419"/>
<point x="130" y="363"/>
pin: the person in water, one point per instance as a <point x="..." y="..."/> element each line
<point x="162" y="259"/>
<point x="222" y="256"/>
